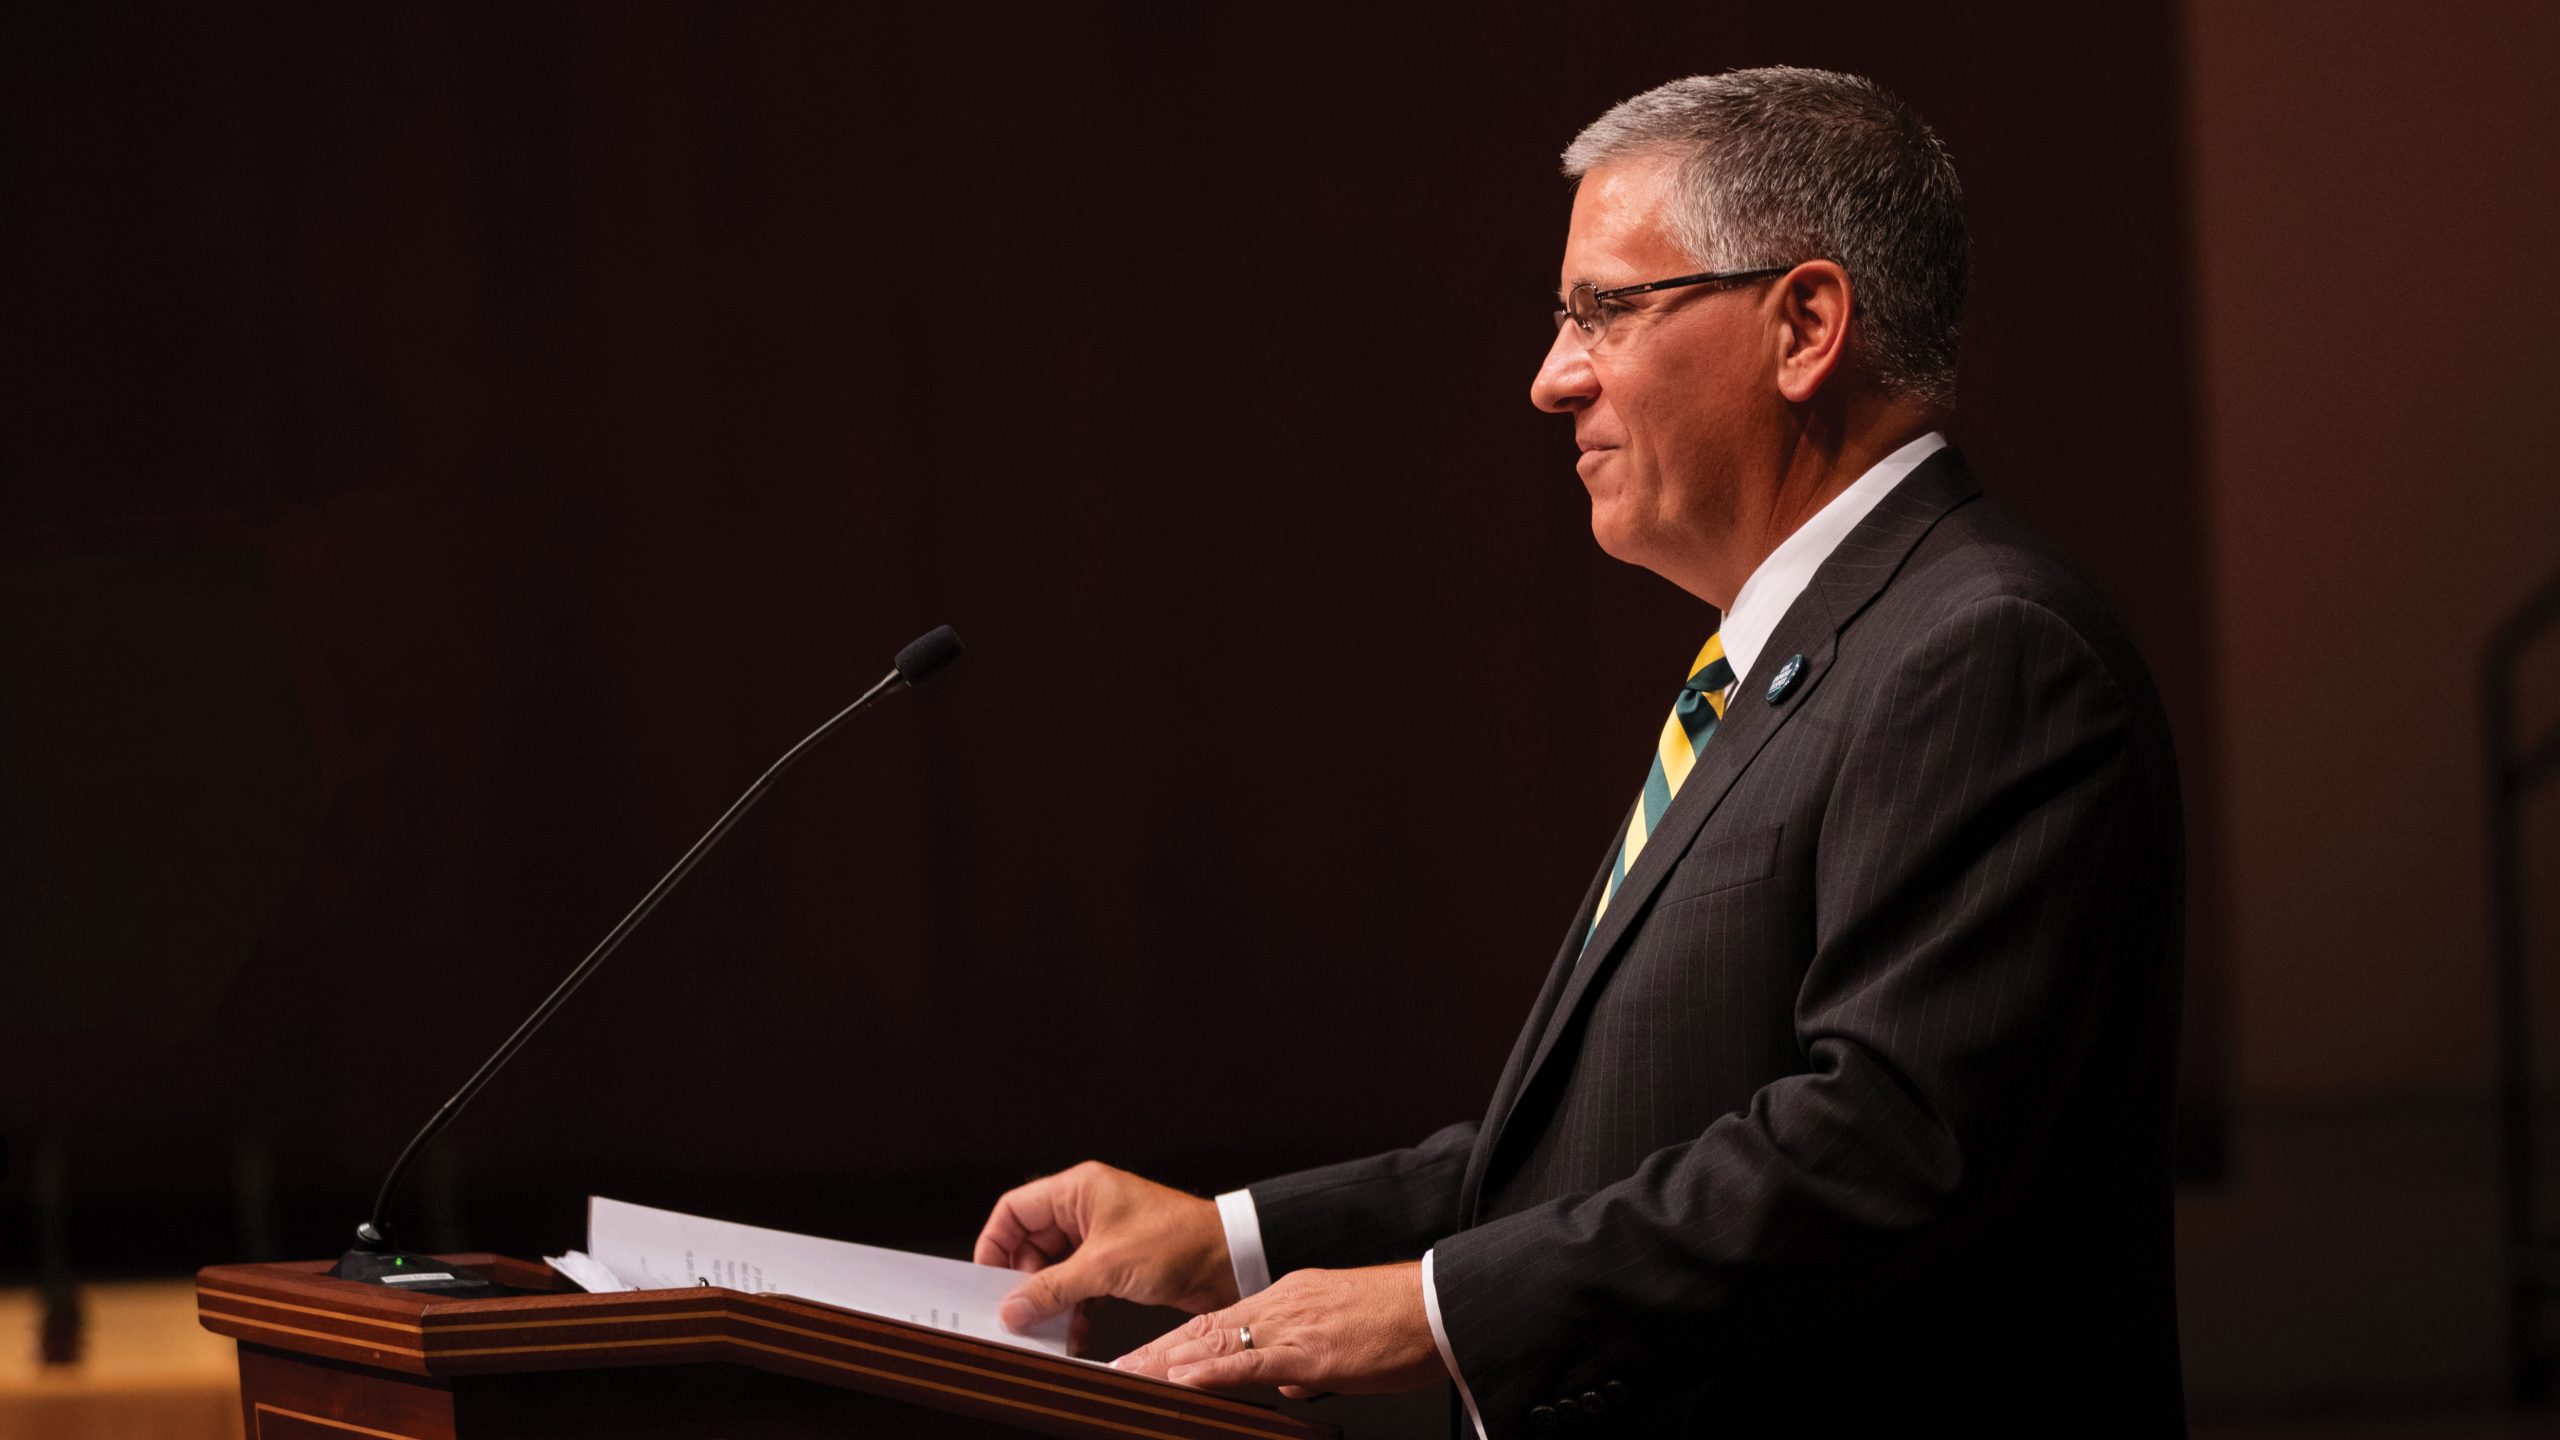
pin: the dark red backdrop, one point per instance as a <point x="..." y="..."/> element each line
<point x="452" y="449"/>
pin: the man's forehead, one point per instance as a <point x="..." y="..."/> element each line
<point x="1618" y="219"/>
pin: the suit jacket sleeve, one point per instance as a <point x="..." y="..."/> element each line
<point x="1375" y="1211"/>
<point x="1994" y="786"/>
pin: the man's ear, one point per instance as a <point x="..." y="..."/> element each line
<point x="1813" y="303"/>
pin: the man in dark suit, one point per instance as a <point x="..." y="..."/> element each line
<point x="1845" y="1108"/>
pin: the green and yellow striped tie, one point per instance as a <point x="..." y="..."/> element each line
<point x="1691" y="725"/>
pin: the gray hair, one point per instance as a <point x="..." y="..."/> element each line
<point x="1782" y="165"/>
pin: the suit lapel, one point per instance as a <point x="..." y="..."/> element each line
<point x="1848" y="580"/>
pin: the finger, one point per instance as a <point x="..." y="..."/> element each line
<point x="1001" y="1237"/>
<point x="1038" y="1223"/>
<point x="1080" y="1328"/>
<point x="1216" y="1341"/>
<point x="1278" y="1365"/>
<point x="1025" y="1252"/>
<point x="1054" y="1289"/>
<point x="1019" y="1213"/>
<point x="1038" y="1251"/>
<point x="996" y="1236"/>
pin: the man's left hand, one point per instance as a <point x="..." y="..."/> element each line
<point x="1355" y="1331"/>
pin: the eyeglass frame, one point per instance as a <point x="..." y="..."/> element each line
<point x="1593" y="335"/>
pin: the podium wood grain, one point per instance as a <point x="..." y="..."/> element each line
<point x="324" y="1359"/>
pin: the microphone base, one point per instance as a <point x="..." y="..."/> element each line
<point x="397" y="1269"/>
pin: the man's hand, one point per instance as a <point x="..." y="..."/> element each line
<point x="1356" y="1331"/>
<point x="1095" y="1231"/>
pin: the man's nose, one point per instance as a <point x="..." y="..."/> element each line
<point x="1565" y="381"/>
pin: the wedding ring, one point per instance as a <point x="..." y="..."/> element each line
<point x="1244" y="1337"/>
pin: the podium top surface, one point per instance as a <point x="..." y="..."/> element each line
<point x="298" y="1308"/>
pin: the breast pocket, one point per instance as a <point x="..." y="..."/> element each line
<point x="1723" y="864"/>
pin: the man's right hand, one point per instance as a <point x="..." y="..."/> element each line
<point x="1093" y="1230"/>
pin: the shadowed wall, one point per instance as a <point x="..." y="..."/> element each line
<point x="2375" y="185"/>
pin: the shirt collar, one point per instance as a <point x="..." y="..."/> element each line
<point x="1766" y="596"/>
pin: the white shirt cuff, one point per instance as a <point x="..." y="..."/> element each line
<point x="1440" y="1338"/>
<point x="1244" y="1242"/>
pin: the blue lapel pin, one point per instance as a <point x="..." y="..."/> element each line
<point x="1787" y="674"/>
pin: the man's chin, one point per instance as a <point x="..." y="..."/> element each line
<point x="1612" y="539"/>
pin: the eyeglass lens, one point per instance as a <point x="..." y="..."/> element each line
<point x="1580" y="307"/>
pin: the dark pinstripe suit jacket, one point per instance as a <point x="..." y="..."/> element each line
<point x="1853" y="1117"/>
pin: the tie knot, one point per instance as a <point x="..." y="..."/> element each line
<point x="1702" y="695"/>
<point x="1713" y="675"/>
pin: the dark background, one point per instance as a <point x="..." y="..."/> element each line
<point x="450" y="450"/>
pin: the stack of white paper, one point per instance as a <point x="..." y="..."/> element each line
<point x="585" y="1272"/>
<point x="632" y="1247"/>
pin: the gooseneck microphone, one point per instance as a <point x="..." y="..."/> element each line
<point x="376" y="1259"/>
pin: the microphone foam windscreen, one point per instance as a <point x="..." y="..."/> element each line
<point x="927" y="654"/>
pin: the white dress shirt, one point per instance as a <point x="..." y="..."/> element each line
<point x="1765" y="598"/>
<point x="1758" y="606"/>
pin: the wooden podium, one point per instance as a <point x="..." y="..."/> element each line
<point x="324" y="1359"/>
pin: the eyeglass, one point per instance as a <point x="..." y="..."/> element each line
<point x="1591" y="312"/>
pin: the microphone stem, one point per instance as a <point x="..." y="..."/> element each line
<point x="376" y="1230"/>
